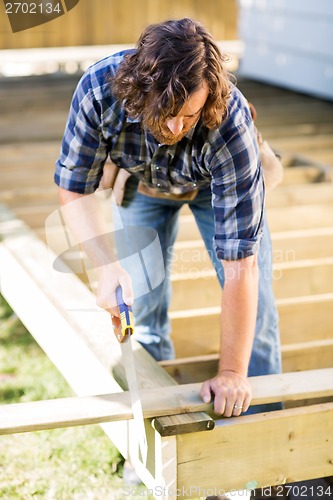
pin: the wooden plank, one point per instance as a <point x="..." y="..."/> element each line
<point x="302" y="319"/>
<point x="59" y="310"/>
<point x="48" y="127"/>
<point x="290" y="279"/>
<point x="279" y="218"/>
<point x="299" y="143"/>
<point x="301" y="129"/>
<point x="300" y="217"/>
<point x="160" y="401"/>
<point x="311" y="243"/>
<point x="301" y="175"/>
<point x="286" y="195"/>
<point x="199" y="364"/>
<point x="172" y="426"/>
<point x="294" y="445"/>
<point x="40" y="296"/>
<point x="307" y="355"/>
<point x="288" y="246"/>
<point x="21" y="197"/>
<point x="303" y="277"/>
<point x="29" y="152"/>
<point x="35" y="216"/>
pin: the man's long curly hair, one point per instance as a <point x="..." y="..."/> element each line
<point x="171" y="62"/>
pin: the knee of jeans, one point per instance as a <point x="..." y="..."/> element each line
<point x="161" y="350"/>
<point x="149" y="304"/>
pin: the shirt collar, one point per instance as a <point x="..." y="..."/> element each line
<point x="129" y="119"/>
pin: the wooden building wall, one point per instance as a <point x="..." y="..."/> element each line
<point x="99" y="22"/>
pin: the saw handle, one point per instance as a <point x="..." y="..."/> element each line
<point x="126" y="318"/>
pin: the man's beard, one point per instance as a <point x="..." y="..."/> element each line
<point x="166" y="137"/>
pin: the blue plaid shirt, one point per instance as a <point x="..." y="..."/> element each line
<point x="226" y="158"/>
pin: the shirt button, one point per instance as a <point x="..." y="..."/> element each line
<point x="158" y="185"/>
<point x="158" y="168"/>
<point x="194" y="184"/>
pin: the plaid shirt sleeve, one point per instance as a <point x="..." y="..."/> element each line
<point x="84" y="150"/>
<point x="237" y="192"/>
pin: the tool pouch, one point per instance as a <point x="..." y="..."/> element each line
<point x="270" y="160"/>
<point x="114" y="178"/>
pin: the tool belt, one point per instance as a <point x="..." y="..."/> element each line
<point x="115" y="178"/>
<point x="153" y="193"/>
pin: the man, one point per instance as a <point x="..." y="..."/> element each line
<point x="167" y="114"/>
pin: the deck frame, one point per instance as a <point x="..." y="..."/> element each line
<point x="61" y="312"/>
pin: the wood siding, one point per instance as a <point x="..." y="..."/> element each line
<point x="98" y="22"/>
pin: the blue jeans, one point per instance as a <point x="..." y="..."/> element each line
<point x="151" y="309"/>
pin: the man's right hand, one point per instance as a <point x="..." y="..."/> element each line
<point x="110" y="277"/>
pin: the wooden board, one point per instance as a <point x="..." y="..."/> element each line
<point x="286" y="195"/>
<point x="284" y="218"/>
<point x="161" y="401"/>
<point x="294" y="445"/>
<point x="288" y="246"/>
<point x="290" y="279"/>
<point x="301" y="223"/>
<point x="302" y="319"/>
<point x="59" y="310"/>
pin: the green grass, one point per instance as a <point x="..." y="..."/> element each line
<point x="78" y="463"/>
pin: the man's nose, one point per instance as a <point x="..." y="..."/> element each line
<point x="175" y="125"/>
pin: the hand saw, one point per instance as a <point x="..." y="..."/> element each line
<point x="124" y="338"/>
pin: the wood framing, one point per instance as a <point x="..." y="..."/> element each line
<point x="61" y="312"/>
<point x="296" y="449"/>
<point x="159" y="402"/>
<point x="190" y="450"/>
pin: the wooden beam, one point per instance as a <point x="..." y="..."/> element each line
<point x="161" y="401"/>
<point x="59" y="310"/>
<point x="301" y="244"/>
<point x="290" y="279"/>
<point x="303" y="277"/>
<point x="307" y="355"/>
<point x="300" y="216"/>
<point x="307" y="318"/>
<point x="286" y="195"/>
<point x="280" y="219"/>
<point x="258" y="450"/>
<point x="191" y="258"/>
<point x="203" y="364"/>
<point x="300" y="143"/>
<point x="302" y="320"/>
<point x="288" y="246"/>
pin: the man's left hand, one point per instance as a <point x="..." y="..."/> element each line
<point x="231" y="391"/>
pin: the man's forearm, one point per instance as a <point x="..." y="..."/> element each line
<point x="84" y="217"/>
<point x="85" y="220"/>
<point x="239" y="312"/>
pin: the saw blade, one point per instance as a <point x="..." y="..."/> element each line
<point x="129" y="364"/>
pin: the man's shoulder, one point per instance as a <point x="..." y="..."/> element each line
<point x="238" y="107"/>
<point x="237" y="120"/>
<point x="101" y="72"/>
<point x="238" y="113"/>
